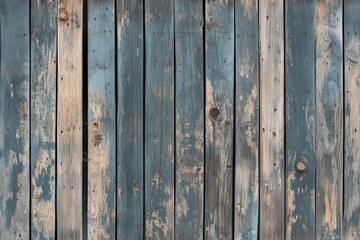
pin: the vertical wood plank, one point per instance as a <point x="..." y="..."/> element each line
<point x="69" y="120"/>
<point x="300" y="120"/>
<point x="219" y="72"/>
<point x="14" y="119"/>
<point x="272" y="140"/>
<point x="189" y="119"/>
<point x="130" y="119"/>
<point x="247" y="120"/>
<point x="329" y="119"/>
<point x="43" y="118"/>
<point x="159" y="117"/>
<point x="101" y="120"/>
<point x="351" y="189"/>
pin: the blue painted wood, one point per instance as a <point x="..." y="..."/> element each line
<point x="130" y="120"/>
<point x="219" y="72"/>
<point x="329" y="119"/>
<point x="351" y="191"/>
<point x="159" y="119"/>
<point x="14" y="120"/>
<point x="43" y="118"/>
<point x="300" y="120"/>
<point x="189" y="119"/>
<point x="101" y="120"/>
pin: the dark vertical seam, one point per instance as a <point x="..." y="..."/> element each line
<point x="258" y="114"/>
<point x="56" y="116"/>
<point x="204" y="115"/>
<point x="116" y="117"/>
<point x="316" y="114"/>
<point x="285" y="119"/>
<point x="234" y="125"/>
<point x="29" y="111"/>
<point x="174" y="130"/>
<point x="144" y="116"/>
<point x="344" y="117"/>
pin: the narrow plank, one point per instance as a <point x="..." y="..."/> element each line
<point x="130" y="120"/>
<point x="272" y="155"/>
<point x="219" y="119"/>
<point x="351" y="189"/>
<point x="300" y="120"/>
<point x="159" y="119"/>
<point x="14" y="120"/>
<point x="329" y="119"/>
<point x="247" y="121"/>
<point x="101" y="120"/>
<point x="43" y="118"/>
<point x="69" y="120"/>
<point x="189" y="24"/>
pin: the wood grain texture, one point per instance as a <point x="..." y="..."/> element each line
<point x="271" y="119"/>
<point x="351" y="189"/>
<point x="159" y="119"/>
<point x="219" y="72"/>
<point x="247" y="120"/>
<point x="14" y="120"/>
<point x="69" y="120"/>
<point x="130" y="120"/>
<point x="189" y="27"/>
<point x="300" y="119"/>
<point x="43" y="118"/>
<point x="101" y="120"/>
<point x="329" y="119"/>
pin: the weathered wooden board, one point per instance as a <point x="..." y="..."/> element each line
<point x="14" y="120"/>
<point x="159" y="119"/>
<point x="219" y="118"/>
<point x="130" y="120"/>
<point x="69" y="120"/>
<point x="101" y="120"/>
<point x="300" y="119"/>
<point x="272" y="141"/>
<point x="351" y="189"/>
<point x="189" y="119"/>
<point x="246" y="193"/>
<point x="329" y="119"/>
<point x="43" y="118"/>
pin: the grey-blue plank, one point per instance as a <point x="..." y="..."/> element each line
<point x="300" y="116"/>
<point x="219" y="126"/>
<point x="159" y="119"/>
<point x="43" y="118"/>
<point x="246" y="195"/>
<point x="189" y="26"/>
<point x="14" y="119"/>
<point x="101" y="120"/>
<point x="130" y="119"/>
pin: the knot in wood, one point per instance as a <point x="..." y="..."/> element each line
<point x="301" y="166"/>
<point x="214" y="112"/>
<point x="63" y="15"/>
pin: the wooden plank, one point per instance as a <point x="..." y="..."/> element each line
<point x="101" y="120"/>
<point x="189" y="119"/>
<point x="69" y="120"/>
<point x="351" y="189"/>
<point x="271" y="119"/>
<point x="159" y="119"/>
<point x="14" y="120"/>
<point x="219" y="120"/>
<point x="130" y="120"/>
<point x="300" y="120"/>
<point x="329" y="119"/>
<point x="247" y="121"/>
<point x="43" y="118"/>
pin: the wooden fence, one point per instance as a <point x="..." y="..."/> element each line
<point x="186" y="119"/>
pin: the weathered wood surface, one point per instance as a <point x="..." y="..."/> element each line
<point x="69" y="120"/>
<point x="189" y="50"/>
<point x="43" y="118"/>
<point x="300" y="119"/>
<point x="159" y="119"/>
<point x="14" y="120"/>
<point x="351" y="222"/>
<point x="130" y="120"/>
<point x="272" y="135"/>
<point x="247" y="120"/>
<point x="329" y="119"/>
<point x="101" y="120"/>
<point x="219" y="118"/>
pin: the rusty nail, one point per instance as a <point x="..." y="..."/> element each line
<point x="63" y="15"/>
<point x="300" y="166"/>
<point x="214" y="112"/>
